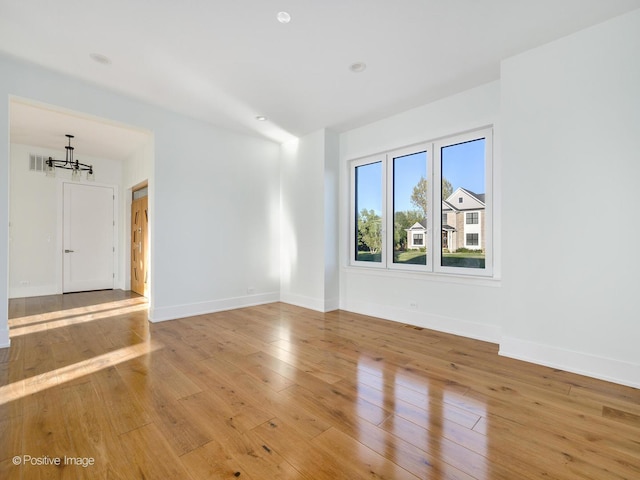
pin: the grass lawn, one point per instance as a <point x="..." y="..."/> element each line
<point x="467" y="259"/>
<point x="413" y="257"/>
<point x="416" y="257"/>
<point x="368" y="257"/>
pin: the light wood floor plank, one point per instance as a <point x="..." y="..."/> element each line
<point x="277" y="391"/>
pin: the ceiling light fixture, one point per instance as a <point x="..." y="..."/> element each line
<point x="283" y="17"/>
<point x="358" y="67"/>
<point x="261" y="118"/>
<point x="69" y="164"/>
<point x="99" y="58"/>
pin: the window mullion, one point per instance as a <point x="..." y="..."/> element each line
<point x="389" y="210"/>
<point x="435" y="210"/>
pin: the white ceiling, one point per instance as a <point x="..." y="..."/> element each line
<point x="225" y="62"/>
<point x="38" y="125"/>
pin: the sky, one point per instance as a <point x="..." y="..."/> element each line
<point x="462" y="165"/>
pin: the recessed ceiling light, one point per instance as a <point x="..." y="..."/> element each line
<point x="98" y="57"/>
<point x="283" y="17"/>
<point x="261" y="118"/>
<point x="358" y="67"/>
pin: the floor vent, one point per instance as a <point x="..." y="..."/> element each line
<point x="414" y="327"/>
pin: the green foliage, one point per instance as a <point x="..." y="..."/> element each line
<point x="447" y="189"/>
<point x="469" y="250"/>
<point x="369" y="230"/>
<point x="420" y="194"/>
<point x="402" y="221"/>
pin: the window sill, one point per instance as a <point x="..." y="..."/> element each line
<point x="436" y="277"/>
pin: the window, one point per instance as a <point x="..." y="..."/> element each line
<point x="408" y="175"/>
<point x="368" y="212"/>
<point x="425" y="208"/>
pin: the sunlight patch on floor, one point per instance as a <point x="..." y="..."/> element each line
<point x="73" y="312"/>
<point x="28" y="386"/>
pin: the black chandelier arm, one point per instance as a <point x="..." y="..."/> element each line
<point x="69" y="163"/>
<point x="66" y="165"/>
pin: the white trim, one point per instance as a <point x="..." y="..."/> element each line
<point x="608" y="369"/>
<point x="434" y="225"/>
<point x="427" y="149"/>
<point x="487" y="134"/>
<point x="352" y="211"/>
<point x="467" y="279"/>
<point x="189" y="310"/>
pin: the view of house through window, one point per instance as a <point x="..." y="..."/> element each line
<point x="410" y="199"/>
<point x="403" y="220"/>
<point x="463" y="201"/>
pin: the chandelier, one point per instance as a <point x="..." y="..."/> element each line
<point x="69" y="164"/>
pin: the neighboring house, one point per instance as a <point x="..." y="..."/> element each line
<point x="416" y="236"/>
<point x="463" y="221"/>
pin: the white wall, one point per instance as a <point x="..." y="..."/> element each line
<point x="35" y="232"/>
<point x="4" y="212"/>
<point x="210" y="187"/>
<point x="571" y="143"/>
<point x="207" y="184"/>
<point x="331" y="220"/>
<point x="308" y="193"/>
<point x="467" y="307"/>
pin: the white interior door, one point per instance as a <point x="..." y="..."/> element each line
<point x="88" y="237"/>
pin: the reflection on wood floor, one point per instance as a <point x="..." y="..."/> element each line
<point x="277" y="391"/>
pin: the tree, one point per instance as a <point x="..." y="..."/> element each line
<point x="447" y="189"/>
<point x="420" y="197"/>
<point x="370" y="230"/>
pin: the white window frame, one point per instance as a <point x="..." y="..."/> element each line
<point x="432" y="237"/>
<point x="352" y="213"/>
<point x="390" y="156"/>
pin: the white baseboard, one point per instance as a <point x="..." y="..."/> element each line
<point x="611" y="370"/>
<point x="5" y="341"/>
<point x="319" y="305"/>
<point x="162" y="314"/>
<point x="441" y="323"/>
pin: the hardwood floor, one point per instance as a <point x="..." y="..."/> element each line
<point x="277" y="391"/>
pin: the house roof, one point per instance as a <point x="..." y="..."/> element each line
<point x="416" y="226"/>
<point x="478" y="196"/>
<point x="476" y="200"/>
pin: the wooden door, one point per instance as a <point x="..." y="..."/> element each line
<point x="140" y="245"/>
<point x="88" y="237"/>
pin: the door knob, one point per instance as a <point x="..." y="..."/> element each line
<point x="68" y="251"/>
